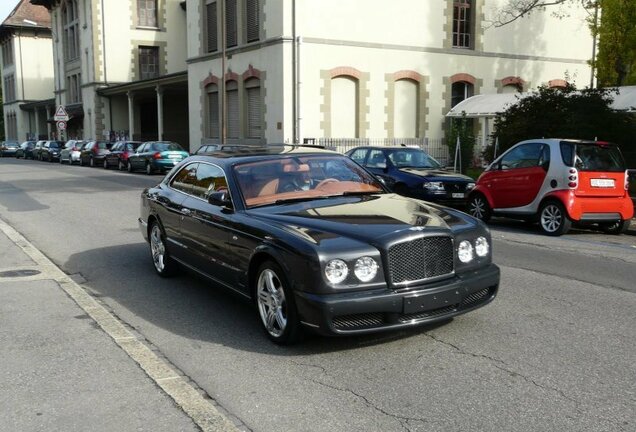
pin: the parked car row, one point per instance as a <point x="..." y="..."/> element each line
<point x="150" y="157"/>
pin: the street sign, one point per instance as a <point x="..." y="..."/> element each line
<point x="61" y="125"/>
<point x="60" y="114"/>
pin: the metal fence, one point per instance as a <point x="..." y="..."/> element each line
<point x="435" y="147"/>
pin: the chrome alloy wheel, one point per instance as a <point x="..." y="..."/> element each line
<point x="551" y="218"/>
<point x="272" y="305"/>
<point x="157" y="248"/>
<point x="477" y="207"/>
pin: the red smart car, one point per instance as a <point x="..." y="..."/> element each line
<point x="557" y="182"/>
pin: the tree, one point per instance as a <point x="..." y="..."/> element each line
<point x="617" y="43"/>
<point x="512" y="10"/>
<point x="565" y="113"/>
<point x="462" y="128"/>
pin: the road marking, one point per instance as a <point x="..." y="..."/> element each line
<point x="198" y="408"/>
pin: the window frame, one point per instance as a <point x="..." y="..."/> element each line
<point x="148" y="23"/>
<point x="143" y="54"/>
<point x="463" y="26"/>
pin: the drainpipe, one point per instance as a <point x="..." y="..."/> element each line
<point x="104" y="43"/>
<point x="298" y="91"/>
<point x="294" y="76"/>
<point x="223" y="60"/>
<point x="21" y="64"/>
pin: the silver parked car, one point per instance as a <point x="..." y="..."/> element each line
<point x="71" y="152"/>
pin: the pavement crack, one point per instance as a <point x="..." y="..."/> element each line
<point x="403" y="420"/>
<point x="501" y="365"/>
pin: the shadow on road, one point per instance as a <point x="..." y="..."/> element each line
<point x="192" y="307"/>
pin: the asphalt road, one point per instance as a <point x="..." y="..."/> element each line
<point x="554" y="351"/>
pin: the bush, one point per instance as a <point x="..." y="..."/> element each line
<point x="566" y="113"/>
<point x="462" y="128"/>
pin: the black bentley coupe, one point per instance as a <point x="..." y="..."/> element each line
<point x="317" y="242"/>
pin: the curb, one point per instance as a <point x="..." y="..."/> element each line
<point x="200" y="409"/>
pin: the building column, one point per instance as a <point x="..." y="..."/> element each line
<point x="49" y="127"/>
<point x="159" y="91"/>
<point x="131" y="116"/>
<point x="37" y="124"/>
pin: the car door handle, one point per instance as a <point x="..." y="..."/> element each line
<point x="186" y="212"/>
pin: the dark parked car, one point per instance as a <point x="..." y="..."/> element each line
<point x="71" y="151"/>
<point x="317" y="243"/>
<point x="36" y="153"/>
<point x="9" y="148"/>
<point x="119" y="152"/>
<point x="25" y="150"/>
<point x="412" y="172"/>
<point x="213" y="148"/>
<point x="93" y="153"/>
<point x="51" y="151"/>
<point x="156" y="156"/>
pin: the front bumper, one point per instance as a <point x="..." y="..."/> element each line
<point x="372" y="311"/>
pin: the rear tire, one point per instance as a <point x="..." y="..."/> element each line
<point x="164" y="265"/>
<point x="91" y="162"/>
<point x="553" y="219"/>
<point x="479" y="208"/>
<point x="81" y="161"/>
<point x="120" y="166"/>
<point x="129" y="167"/>
<point x="615" y="228"/>
<point x="105" y="164"/>
<point x="149" y="169"/>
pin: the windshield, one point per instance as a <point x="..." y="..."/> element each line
<point x="166" y="147"/>
<point x="302" y="177"/>
<point x="412" y="158"/>
<point x="593" y="157"/>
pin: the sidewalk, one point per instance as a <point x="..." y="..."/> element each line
<point x="66" y="370"/>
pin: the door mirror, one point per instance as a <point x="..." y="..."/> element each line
<point x="221" y="198"/>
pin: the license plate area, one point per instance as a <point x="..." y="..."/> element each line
<point x="457" y="195"/>
<point x="602" y="183"/>
<point x="430" y="301"/>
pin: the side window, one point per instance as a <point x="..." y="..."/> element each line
<point x="142" y="148"/>
<point x="376" y="159"/>
<point x="209" y="178"/>
<point x="359" y="155"/>
<point x="544" y="159"/>
<point x="523" y="156"/>
<point x="185" y="179"/>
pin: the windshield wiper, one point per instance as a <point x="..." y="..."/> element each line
<point x="301" y="199"/>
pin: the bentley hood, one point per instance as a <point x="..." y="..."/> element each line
<point x="365" y="218"/>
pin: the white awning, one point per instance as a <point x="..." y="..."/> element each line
<point x="486" y="105"/>
<point x="625" y="100"/>
<point x="489" y="105"/>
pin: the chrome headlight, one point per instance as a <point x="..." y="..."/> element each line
<point x="336" y="271"/>
<point x="465" y="251"/>
<point x="433" y="186"/>
<point x="470" y="186"/>
<point x="482" y="247"/>
<point x="365" y="269"/>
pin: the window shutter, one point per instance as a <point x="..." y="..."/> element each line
<point x="254" y="110"/>
<point x="213" y="114"/>
<point x="211" y="27"/>
<point x="253" y="22"/>
<point x="230" y="23"/>
<point x="232" y="111"/>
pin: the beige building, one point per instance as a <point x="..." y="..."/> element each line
<point x="27" y="71"/>
<point x="363" y="70"/>
<point x="120" y="67"/>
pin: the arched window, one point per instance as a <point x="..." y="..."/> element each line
<point x="254" y="108"/>
<point x="213" y="111"/>
<point x="344" y="107"/>
<point x="405" y="109"/>
<point x="511" y="88"/>
<point x="461" y="90"/>
<point x="231" y="94"/>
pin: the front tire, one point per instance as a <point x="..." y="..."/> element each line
<point x="479" y="208"/>
<point x="120" y="166"/>
<point x="129" y="167"/>
<point x="553" y="219"/>
<point x="276" y="306"/>
<point x="164" y="265"/>
<point x="149" y="169"/>
<point x="105" y="164"/>
<point x="91" y="162"/>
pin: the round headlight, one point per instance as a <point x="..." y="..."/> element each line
<point x="481" y="246"/>
<point x="336" y="271"/>
<point x="470" y="185"/>
<point x="365" y="269"/>
<point x="465" y="251"/>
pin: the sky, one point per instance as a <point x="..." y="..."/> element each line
<point x="6" y="6"/>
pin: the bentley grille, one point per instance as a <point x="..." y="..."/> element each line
<point x="421" y="259"/>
